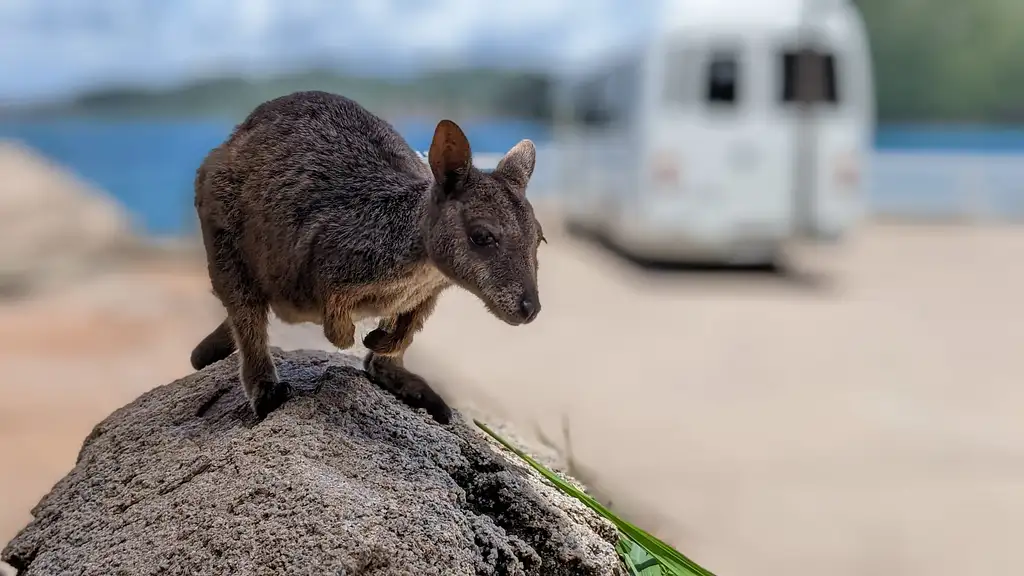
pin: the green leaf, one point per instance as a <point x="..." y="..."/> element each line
<point x="637" y="548"/>
<point x="637" y="560"/>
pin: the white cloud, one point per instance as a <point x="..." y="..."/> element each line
<point x="52" y="46"/>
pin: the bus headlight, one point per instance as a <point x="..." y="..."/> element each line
<point x="847" y="172"/>
<point x="666" y="172"/>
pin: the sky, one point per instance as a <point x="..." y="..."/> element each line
<point x="55" y="48"/>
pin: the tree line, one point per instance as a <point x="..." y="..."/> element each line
<point x="935" y="61"/>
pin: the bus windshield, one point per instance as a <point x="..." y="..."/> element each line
<point x="711" y="78"/>
<point x="809" y="77"/>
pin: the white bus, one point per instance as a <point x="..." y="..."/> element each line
<point x="731" y="131"/>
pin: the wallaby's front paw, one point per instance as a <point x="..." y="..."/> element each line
<point x="382" y="342"/>
<point x="270" y="397"/>
<point x="341" y="335"/>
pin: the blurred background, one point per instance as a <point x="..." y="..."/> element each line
<point x="856" y="409"/>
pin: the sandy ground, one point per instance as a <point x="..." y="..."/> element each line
<point x="762" y="426"/>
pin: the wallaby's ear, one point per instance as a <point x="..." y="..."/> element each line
<point x="450" y="157"/>
<point x="517" y="165"/>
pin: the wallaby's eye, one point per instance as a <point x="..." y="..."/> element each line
<point x="482" y="237"/>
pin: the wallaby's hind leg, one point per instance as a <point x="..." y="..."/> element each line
<point x="389" y="373"/>
<point x="259" y="377"/>
<point x="217" y="346"/>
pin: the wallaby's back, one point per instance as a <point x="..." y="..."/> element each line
<point x="302" y="167"/>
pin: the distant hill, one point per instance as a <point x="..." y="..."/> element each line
<point x="949" y="61"/>
<point x="484" y="92"/>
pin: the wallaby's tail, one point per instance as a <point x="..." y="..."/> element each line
<point x="217" y="346"/>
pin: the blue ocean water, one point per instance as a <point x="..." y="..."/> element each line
<point x="149" y="165"/>
<point x="959" y="139"/>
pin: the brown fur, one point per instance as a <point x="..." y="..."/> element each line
<point x="320" y="211"/>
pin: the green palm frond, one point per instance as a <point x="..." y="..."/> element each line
<point x="642" y="553"/>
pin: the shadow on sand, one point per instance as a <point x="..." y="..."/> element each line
<point x="779" y="273"/>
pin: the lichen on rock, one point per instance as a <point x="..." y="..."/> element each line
<point x="342" y="479"/>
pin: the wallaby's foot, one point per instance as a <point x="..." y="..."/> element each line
<point x="217" y="346"/>
<point x="389" y="374"/>
<point x="257" y="373"/>
<point x="269" y="396"/>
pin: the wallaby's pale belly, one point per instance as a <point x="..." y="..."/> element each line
<point x="382" y="299"/>
<point x="290" y="314"/>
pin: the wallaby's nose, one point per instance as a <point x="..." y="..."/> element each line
<point x="528" y="307"/>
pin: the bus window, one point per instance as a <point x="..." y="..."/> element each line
<point x="606" y="100"/>
<point x="592" y="109"/>
<point x="809" y="76"/>
<point x="722" y="79"/>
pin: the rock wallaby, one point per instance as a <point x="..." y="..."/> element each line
<point x="319" y="211"/>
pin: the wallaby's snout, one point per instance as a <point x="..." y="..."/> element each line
<point x="529" y="308"/>
<point x="481" y="230"/>
<point x="515" y="302"/>
<point x="510" y="296"/>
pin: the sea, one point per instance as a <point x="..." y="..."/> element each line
<point x="149" y="166"/>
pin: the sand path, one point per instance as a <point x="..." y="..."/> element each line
<point x="763" y="427"/>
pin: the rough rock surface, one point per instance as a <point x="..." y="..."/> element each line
<point x="343" y="479"/>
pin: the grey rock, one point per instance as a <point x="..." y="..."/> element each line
<point x="342" y="479"/>
<point x="54" y="228"/>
